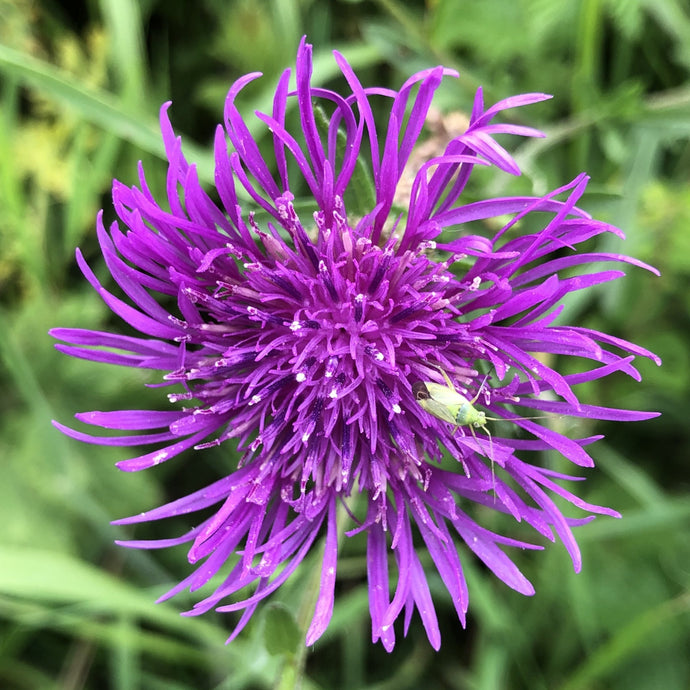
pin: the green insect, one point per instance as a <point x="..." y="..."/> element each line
<point x="448" y="405"/>
<point x="445" y="403"/>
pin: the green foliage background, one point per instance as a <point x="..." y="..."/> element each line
<point x="79" y="95"/>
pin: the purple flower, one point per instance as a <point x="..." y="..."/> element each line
<point x="299" y="338"/>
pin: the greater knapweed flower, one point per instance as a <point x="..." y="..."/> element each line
<point x="298" y="337"/>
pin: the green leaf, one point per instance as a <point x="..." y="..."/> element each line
<point x="281" y="632"/>
<point x="59" y="578"/>
<point x="94" y="105"/>
<point x="629" y="640"/>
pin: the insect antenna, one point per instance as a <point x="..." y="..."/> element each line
<point x="479" y="392"/>
<point x="517" y="419"/>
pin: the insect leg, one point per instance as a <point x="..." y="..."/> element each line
<point x="446" y="378"/>
<point x="490" y="454"/>
<point x="491" y="457"/>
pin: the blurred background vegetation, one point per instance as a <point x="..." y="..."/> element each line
<point x="80" y="90"/>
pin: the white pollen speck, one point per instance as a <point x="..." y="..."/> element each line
<point x="379" y="356"/>
<point x="255" y="399"/>
<point x="396" y="408"/>
<point x="305" y="436"/>
<point x="159" y="457"/>
<point x="301" y="376"/>
<point x="295" y="326"/>
<point x="333" y="394"/>
<point x="328" y="374"/>
<point x="359" y="298"/>
<point x="476" y="282"/>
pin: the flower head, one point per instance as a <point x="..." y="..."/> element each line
<point x="314" y="341"/>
